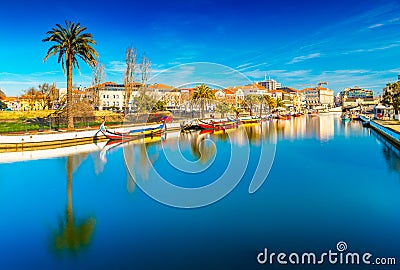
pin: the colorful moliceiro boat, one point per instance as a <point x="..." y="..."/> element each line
<point x="217" y="125"/>
<point x="134" y="133"/>
<point x="345" y="118"/>
<point x="249" y="120"/>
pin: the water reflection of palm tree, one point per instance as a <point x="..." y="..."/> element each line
<point x="201" y="149"/>
<point x="71" y="235"/>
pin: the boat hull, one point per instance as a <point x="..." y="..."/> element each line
<point x="133" y="134"/>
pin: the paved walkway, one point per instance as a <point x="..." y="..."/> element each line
<point x="392" y="124"/>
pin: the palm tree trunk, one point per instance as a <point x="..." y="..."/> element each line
<point x="70" y="117"/>
<point x="202" y="107"/>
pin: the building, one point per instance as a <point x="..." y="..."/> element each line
<point x="318" y="97"/>
<point x="292" y="97"/>
<point x="110" y="95"/>
<point x="269" y="84"/>
<point x="356" y="96"/>
<point x="13" y="103"/>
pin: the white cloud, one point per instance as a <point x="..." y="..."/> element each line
<point x="304" y="57"/>
<point x="375" y="25"/>
<point x="385" y="23"/>
<point x="243" y="65"/>
<point x="115" y="66"/>
<point x="393" y="45"/>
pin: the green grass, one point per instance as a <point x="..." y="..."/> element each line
<point x="20" y="127"/>
<point x="9" y="127"/>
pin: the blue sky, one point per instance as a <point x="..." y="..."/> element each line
<point x="297" y="43"/>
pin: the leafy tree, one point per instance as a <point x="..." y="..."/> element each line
<point x="159" y="106"/>
<point x="70" y="42"/>
<point x="250" y="101"/>
<point x="204" y="95"/>
<point x="223" y="108"/>
<point x="3" y="105"/>
<point x="391" y="95"/>
<point x="143" y="102"/>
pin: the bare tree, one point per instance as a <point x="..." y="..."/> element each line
<point x="32" y="96"/>
<point x="54" y="96"/>
<point x="2" y="94"/>
<point x="144" y="102"/>
<point x="44" y="95"/>
<point x="130" y="59"/>
<point x="145" y="70"/>
<point x="98" y="78"/>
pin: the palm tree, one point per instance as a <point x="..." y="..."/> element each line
<point x="203" y="94"/>
<point x="70" y="42"/>
<point x="279" y="103"/>
<point x="271" y="102"/>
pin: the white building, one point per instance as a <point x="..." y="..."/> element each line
<point x="318" y="96"/>
<point x="269" y="84"/>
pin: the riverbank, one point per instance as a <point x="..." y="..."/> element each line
<point x="60" y="139"/>
<point x="389" y="129"/>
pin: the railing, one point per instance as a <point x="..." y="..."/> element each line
<point x="52" y="123"/>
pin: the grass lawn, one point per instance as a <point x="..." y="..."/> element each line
<point x="14" y="121"/>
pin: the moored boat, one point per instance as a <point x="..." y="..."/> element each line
<point x="345" y="118"/>
<point x="249" y="120"/>
<point x="132" y="134"/>
<point x="335" y="109"/>
<point x="190" y="125"/>
<point x="217" y="125"/>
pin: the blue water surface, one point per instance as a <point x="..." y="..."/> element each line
<point x="329" y="182"/>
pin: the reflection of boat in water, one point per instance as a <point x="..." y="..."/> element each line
<point x="345" y="118"/>
<point x="365" y="120"/>
<point x="132" y="134"/>
<point x="112" y="145"/>
<point x="283" y="117"/>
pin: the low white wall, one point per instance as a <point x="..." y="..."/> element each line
<point x="48" y="137"/>
<point x="391" y="134"/>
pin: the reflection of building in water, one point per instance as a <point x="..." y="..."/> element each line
<point x="322" y="127"/>
<point x="326" y="127"/>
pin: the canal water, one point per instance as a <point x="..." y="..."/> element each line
<point x="329" y="182"/>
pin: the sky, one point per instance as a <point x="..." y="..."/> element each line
<point x="221" y="42"/>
